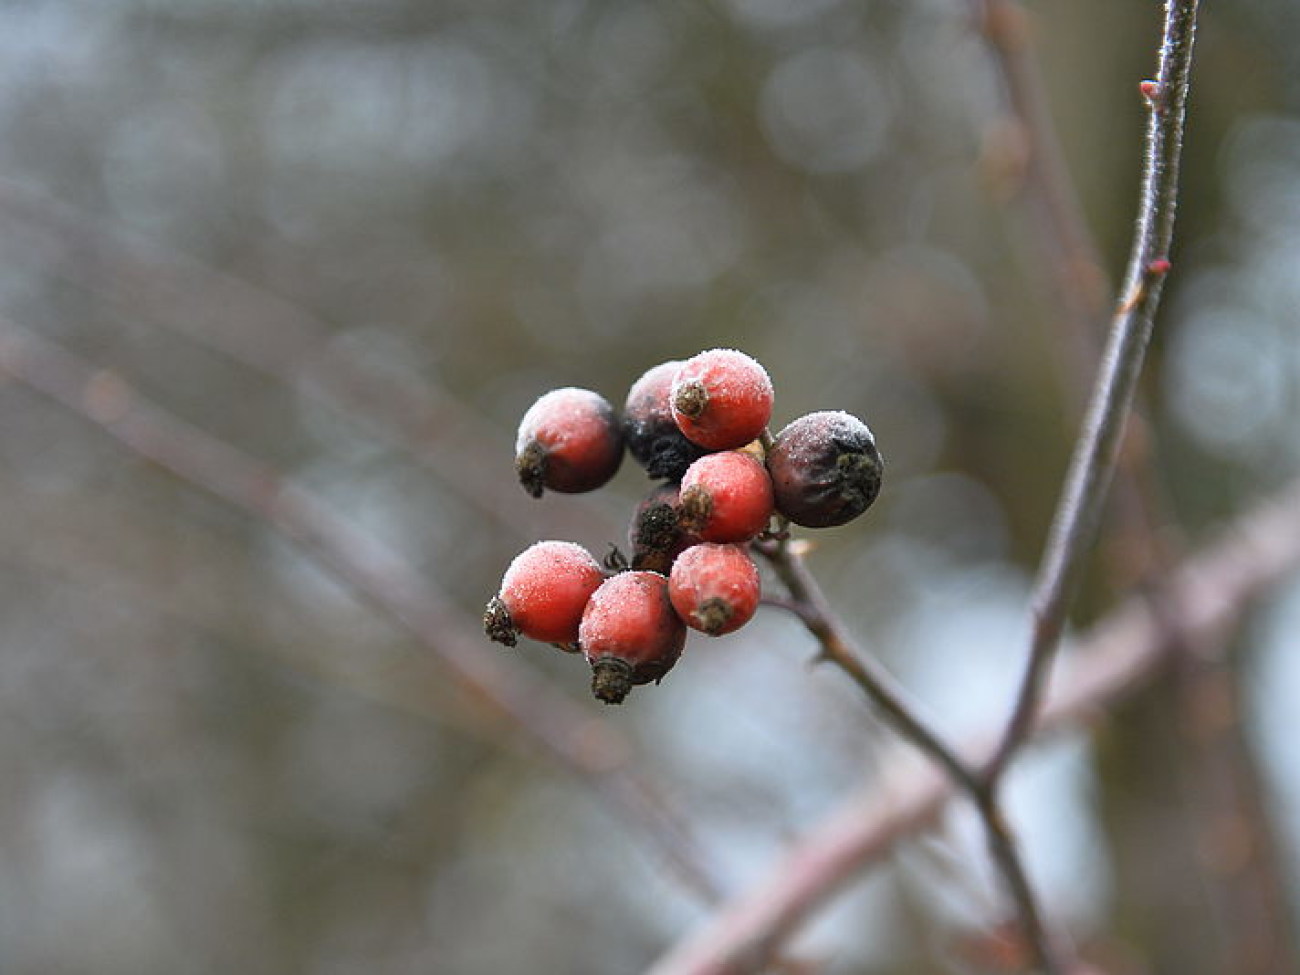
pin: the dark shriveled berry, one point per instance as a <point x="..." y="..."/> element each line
<point x="569" y="441"/>
<point x="825" y="469"/>
<point x="630" y="634"/>
<point x="657" y="535"/>
<point x="653" y="438"/>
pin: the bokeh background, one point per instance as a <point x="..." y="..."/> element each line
<point x="303" y="226"/>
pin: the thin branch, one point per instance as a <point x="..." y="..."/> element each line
<point x="505" y="688"/>
<point x="1064" y="246"/>
<point x="1203" y="598"/>
<point x="1093" y="462"/>
<point x="809" y="604"/>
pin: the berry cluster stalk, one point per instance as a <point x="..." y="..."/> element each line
<point x="1088" y="478"/>
<point x="1201" y="598"/>
<point x="811" y="606"/>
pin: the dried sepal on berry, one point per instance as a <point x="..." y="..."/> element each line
<point x="715" y="588"/>
<point x="726" y="497"/>
<point x="721" y="399"/>
<point x="630" y="634"/>
<point x="543" y="594"/>
<point x="569" y="441"/>
<point x="656" y="534"/>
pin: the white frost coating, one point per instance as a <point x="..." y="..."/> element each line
<point x="534" y="571"/>
<point x="730" y="371"/>
<point x="837" y="420"/>
<point x="561" y="411"/>
<point x="650" y="381"/>
<point x="624" y="604"/>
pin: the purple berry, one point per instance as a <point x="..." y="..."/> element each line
<point x="825" y="469"/>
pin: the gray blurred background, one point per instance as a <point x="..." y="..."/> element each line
<point x="214" y="758"/>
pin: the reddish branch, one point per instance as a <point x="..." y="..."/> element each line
<point x="1200" y="602"/>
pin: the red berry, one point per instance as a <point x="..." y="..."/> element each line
<point x="543" y="593"/>
<point x="726" y="497"/>
<point x="656" y="535"/>
<point x="652" y="435"/>
<point x="714" y="588"/>
<point x="630" y="634"/>
<point x="569" y="441"/>
<point x="722" y="399"/>
<point x="825" y="469"/>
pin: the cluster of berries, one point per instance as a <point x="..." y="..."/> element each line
<point x="701" y="425"/>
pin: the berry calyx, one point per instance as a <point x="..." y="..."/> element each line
<point x="656" y="535"/>
<point x="653" y="438"/>
<point x="569" y="441"/>
<point x="726" y="497"/>
<point x="825" y="469"/>
<point x="630" y="634"/>
<point x="714" y="588"/>
<point x="543" y="594"/>
<point x="721" y="399"/>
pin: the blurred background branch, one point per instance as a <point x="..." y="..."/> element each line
<point x="354" y="241"/>
<point x="582" y="744"/>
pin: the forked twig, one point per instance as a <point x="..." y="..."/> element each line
<point x="1079" y="510"/>
<point x="810" y="605"/>
<point x="1203" y="597"/>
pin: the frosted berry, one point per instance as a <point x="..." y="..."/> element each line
<point x="714" y="588"/>
<point x="656" y="535"/>
<point x="543" y="594"/>
<point x="721" y="399"/>
<point x="630" y="634"/>
<point x="569" y="441"/>
<point x="653" y="438"/>
<point x="726" y="497"/>
<point x="825" y="469"/>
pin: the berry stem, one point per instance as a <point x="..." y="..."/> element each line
<point x="810" y="605"/>
<point x="1120" y="656"/>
